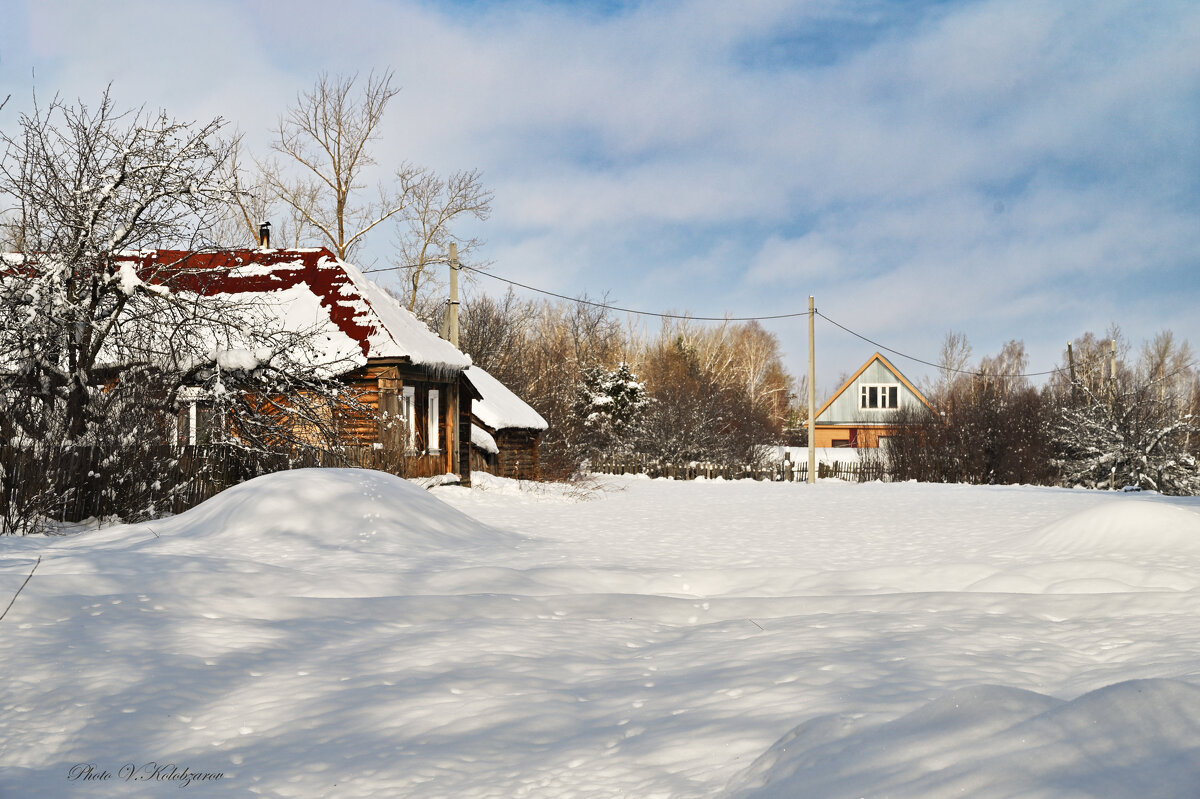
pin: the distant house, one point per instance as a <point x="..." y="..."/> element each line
<point x="505" y="431"/>
<point x="398" y="368"/>
<point x="859" y="414"/>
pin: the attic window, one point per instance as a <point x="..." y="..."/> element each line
<point x="878" y="396"/>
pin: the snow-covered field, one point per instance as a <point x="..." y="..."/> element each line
<point x="347" y="634"/>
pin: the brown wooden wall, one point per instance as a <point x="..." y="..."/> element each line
<point x="859" y="437"/>
<point x="465" y="464"/>
<point x="378" y="388"/>
<point x="518" y="456"/>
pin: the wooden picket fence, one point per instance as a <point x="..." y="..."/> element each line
<point x="786" y="471"/>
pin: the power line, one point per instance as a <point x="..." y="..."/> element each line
<point x="631" y="310"/>
<point x="929" y="363"/>
<point x="854" y="333"/>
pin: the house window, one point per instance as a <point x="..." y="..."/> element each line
<point x="434" y="443"/>
<point x="195" y="424"/>
<point x="878" y="396"/>
<point x="408" y="414"/>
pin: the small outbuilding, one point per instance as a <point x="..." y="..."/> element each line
<point x="505" y="430"/>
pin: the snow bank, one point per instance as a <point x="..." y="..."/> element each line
<point x="307" y="513"/>
<point x="1124" y="526"/>
<point x="1133" y="739"/>
<point x="346" y="633"/>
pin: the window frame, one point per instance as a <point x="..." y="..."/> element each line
<point x="408" y="412"/>
<point x="883" y="393"/>
<point x="433" y="426"/>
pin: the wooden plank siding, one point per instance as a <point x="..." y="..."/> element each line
<point x="864" y="437"/>
<point x="466" y="395"/>
<point x="851" y="418"/>
<point x="379" y="389"/>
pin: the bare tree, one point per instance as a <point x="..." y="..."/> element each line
<point x="84" y="184"/>
<point x="425" y="232"/>
<point x="254" y="202"/>
<point x="325" y="142"/>
<point x="327" y="137"/>
<point x="1168" y="363"/>
<point x="952" y="364"/>
<point x="1134" y="425"/>
<point x="494" y="333"/>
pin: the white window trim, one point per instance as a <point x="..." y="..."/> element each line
<point x="407" y="411"/>
<point x="434" y="444"/>
<point x="881" y="393"/>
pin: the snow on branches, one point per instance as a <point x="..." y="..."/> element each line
<point x="1135" y="435"/>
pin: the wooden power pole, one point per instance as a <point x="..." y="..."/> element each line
<point x="1071" y="366"/>
<point x="453" y="310"/>
<point x="1112" y="376"/>
<point x="812" y="392"/>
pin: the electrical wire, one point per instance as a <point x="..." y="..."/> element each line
<point x="856" y="334"/>
<point x="631" y="310"/>
<point x="935" y="365"/>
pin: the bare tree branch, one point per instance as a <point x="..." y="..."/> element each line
<point x="328" y="133"/>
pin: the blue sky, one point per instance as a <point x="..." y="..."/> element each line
<point x="1004" y="168"/>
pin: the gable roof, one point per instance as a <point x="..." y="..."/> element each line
<point x="308" y="289"/>
<point x="886" y="365"/>
<point x="499" y="407"/>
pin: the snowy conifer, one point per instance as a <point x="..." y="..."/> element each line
<point x="610" y="402"/>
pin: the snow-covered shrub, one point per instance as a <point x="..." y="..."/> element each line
<point x="1135" y="436"/>
<point x="611" y="403"/>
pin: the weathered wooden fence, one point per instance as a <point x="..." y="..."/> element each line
<point x="786" y="471"/>
<point x="82" y="483"/>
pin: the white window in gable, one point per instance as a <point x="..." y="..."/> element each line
<point x="878" y="396"/>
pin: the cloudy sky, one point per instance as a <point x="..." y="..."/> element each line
<point x="1005" y="168"/>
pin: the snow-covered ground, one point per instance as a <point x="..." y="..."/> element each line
<point x="344" y="633"/>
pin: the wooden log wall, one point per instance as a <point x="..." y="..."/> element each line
<point x="518" y="457"/>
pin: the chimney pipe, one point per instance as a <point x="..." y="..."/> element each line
<point x="264" y="235"/>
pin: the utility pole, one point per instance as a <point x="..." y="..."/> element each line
<point x="812" y="391"/>
<point x="453" y="310"/>
<point x="1071" y="365"/>
<point x="1112" y="376"/>
<point x="454" y="419"/>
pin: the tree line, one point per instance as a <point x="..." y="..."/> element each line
<point x="713" y="392"/>
<point x="94" y="355"/>
<point x="1107" y="417"/>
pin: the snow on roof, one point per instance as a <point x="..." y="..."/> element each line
<point x="311" y="289"/>
<point x="483" y="439"/>
<point x="500" y="408"/>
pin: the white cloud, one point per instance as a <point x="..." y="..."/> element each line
<point x="1018" y="168"/>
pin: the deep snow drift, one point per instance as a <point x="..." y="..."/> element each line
<point x="346" y="633"/>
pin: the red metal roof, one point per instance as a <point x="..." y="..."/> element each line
<point x="260" y="271"/>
